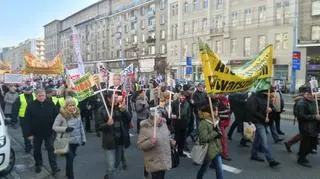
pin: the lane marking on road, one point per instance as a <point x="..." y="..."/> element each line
<point x="225" y="167"/>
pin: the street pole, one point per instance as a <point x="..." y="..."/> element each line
<point x="295" y="34"/>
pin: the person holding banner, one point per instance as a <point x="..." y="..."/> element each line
<point x="259" y="108"/>
<point x="115" y="136"/>
<point x="154" y="140"/>
<point x="309" y="118"/>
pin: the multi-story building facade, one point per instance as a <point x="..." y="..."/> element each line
<point x="113" y="32"/>
<point x="235" y="29"/>
<point x="309" y="38"/>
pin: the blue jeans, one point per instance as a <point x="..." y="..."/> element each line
<point x="261" y="140"/>
<point x="218" y="164"/>
<point x="112" y="159"/>
<point x="273" y="131"/>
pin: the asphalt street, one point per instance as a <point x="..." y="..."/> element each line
<point x="89" y="163"/>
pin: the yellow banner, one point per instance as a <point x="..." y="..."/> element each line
<point x="220" y="79"/>
<point x="38" y="66"/>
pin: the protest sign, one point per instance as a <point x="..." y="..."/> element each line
<point x="13" y="78"/>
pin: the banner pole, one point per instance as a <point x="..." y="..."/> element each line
<point x="316" y="98"/>
<point x="268" y="103"/>
<point x="211" y="108"/>
<point x="112" y="102"/>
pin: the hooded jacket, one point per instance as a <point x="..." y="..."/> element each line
<point x="142" y="107"/>
<point x="64" y="120"/>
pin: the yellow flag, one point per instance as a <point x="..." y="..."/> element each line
<point x="220" y="79"/>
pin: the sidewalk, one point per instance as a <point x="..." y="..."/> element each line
<point x="24" y="166"/>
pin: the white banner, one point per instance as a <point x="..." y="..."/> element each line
<point x="74" y="74"/>
<point x="77" y="50"/>
<point x="13" y="78"/>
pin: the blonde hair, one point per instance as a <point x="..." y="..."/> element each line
<point x="69" y="101"/>
<point x="65" y="113"/>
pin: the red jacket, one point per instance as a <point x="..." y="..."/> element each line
<point x="224" y="111"/>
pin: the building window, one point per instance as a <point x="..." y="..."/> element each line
<point x="262" y="14"/>
<point x="152" y="50"/>
<point x="315" y="32"/>
<point x="185" y="50"/>
<point x="196" y="4"/>
<point x="219" y="47"/>
<point x="219" y="22"/>
<point x="152" y="35"/>
<point x="133" y="13"/>
<point x="142" y="11"/>
<point x="286" y="12"/>
<point x="185" y="28"/>
<point x="234" y="19"/>
<point x="143" y="24"/>
<point x="151" y="21"/>
<point x="162" y="19"/>
<point x="278" y="40"/>
<point x="125" y="28"/>
<point x="143" y="38"/>
<point x="247" y="46"/>
<point x="133" y="26"/>
<point x="143" y="51"/>
<point x="174" y="9"/>
<point x="233" y="47"/>
<point x="205" y="4"/>
<point x="163" y="4"/>
<point x="163" y="34"/>
<point x="204" y="23"/>
<point x="262" y="42"/>
<point x="195" y="26"/>
<point x="315" y="8"/>
<point x="194" y="50"/>
<point x="219" y="4"/>
<point x="278" y="13"/>
<point x="248" y="17"/>
<point x="285" y="37"/>
<point x="163" y="49"/>
<point x="186" y="7"/>
<point x="135" y="39"/>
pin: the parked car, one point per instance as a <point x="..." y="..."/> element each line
<point x="7" y="154"/>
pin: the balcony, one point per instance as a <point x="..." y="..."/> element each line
<point x="151" y="27"/>
<point x="151" y="13"/>
<point x="216" y="31"/>
<point x="133" y="18"/>
<point x="151" y="40"/>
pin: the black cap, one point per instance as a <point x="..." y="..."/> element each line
<point x="27" y="88"/>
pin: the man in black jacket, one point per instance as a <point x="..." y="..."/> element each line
<point x="40" y="116"/>
<point x="258" y="109"/>
<point x="306" y="110"/>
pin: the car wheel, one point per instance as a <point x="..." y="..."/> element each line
<point x="11" y="164"/>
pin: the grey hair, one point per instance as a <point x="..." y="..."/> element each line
<point x="40" y="91"/>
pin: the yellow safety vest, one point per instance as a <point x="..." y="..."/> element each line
<point x="55" y="100"/>
<point x="24" y="104"/>
<point x="62" y="101"/>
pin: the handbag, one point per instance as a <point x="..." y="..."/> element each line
<point x="61" y="144"/>
<point x="175" y="157"/>
<point x="199" y="152"/>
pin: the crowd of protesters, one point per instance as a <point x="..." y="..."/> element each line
<point x="49" y="110"/>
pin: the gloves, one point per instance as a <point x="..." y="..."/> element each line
<point x="143" y="105"/>
<point x="69" y="129"/>
<point x="83" y="143"/>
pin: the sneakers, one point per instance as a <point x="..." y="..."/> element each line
<point x="55" y="171"/>
<point x="304" y="163"/>
<point x="38" y="169"/>
<point x="278" y="141"/>
<point x="273" y="163"/>
<point x="288" y="147"/>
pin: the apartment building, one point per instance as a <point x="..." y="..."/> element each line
<point x="115" y="32"/>
<point x="309" y="38"/>
<point x="235" y="29"/>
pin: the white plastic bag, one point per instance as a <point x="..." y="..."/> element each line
<point x="249" y="131"/>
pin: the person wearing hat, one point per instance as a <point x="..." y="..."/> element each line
<point x="181" y="114"/>
<point x="19" y="110"/>
<point x="259" y="111"/>
<point x="306" y="112"/>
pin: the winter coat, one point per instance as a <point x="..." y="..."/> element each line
<point x="199" y="98"/>
<point x="9" y="99"/>
<point x="183" y="117"/>
<point x="207" y="134"/>
<point x="278" y="102"/>
<point x="306" y="113"/>
<point x="65" y="120"/>
<point x="39" y="118"/>
<point x="224" y="111"/>
<point x="257" y="108"/>
<point x="157" y="157"/>
<point x="116" y="134"/>
<point x="142" y="108"/>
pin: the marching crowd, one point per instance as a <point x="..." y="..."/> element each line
<point x="165" y="118"/>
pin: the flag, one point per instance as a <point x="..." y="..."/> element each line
<point x="103" y="72"/>
<point x="219" y="78"/>
<point x="77" y="50"/>
<point x="128" y="70"/>
<point x="261" y="85"/>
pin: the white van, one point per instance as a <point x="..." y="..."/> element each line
<point x="7" y="155"/>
